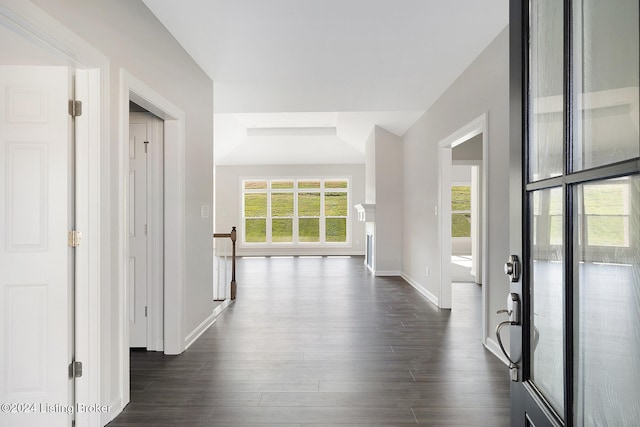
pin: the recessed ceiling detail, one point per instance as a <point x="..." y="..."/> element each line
<point x="331" y="63"/>
<point x="292" y="131"/>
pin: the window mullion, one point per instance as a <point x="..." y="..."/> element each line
<point x="569" y="239"/>
<point x="322" y="220"/>
<point x="294" y="220"/>
<point x="269" y="216"/>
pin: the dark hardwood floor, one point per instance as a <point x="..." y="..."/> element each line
<point x="320" y="342"/>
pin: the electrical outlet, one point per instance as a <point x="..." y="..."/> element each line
<point x="427" y="271"/>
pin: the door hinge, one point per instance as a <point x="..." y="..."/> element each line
<point x="146" y="229"/>
<point x="75" y="108"/>
<point x="74" y="238"/>
<point x="75" y="369"/>
<point x="146" y="144"/>
<point x="145" y="311"/>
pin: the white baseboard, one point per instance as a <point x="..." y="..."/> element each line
<point x="387" y="273"/>
<point x="115" y="408"/>
<point x="195" y="334"/>
<point x="431" y="297"/>
<point x="222" y="307"/>
<point x="493" y="347"/>
<point x="296" y="252"/>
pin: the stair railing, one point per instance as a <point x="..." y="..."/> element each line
<point x="232" y="235"/>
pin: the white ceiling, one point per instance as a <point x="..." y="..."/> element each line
<point x="347" y="64"/>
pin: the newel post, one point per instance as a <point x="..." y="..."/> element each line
<point x="233" y="263"/>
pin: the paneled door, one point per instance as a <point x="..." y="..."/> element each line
<point x="138" y="219"/>
<point x="36" y="263"/>
<point x="575" y="212"/>
<point x="146" y="247"/>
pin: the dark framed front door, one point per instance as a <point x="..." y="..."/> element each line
<point x="575" y="211"/>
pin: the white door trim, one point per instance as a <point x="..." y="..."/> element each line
<point x="89" y="255"/>
<point x="133" y="89"/>
<point x="92" y="199"/>
<point x="476" y="127"/>
<point x="155" y="243"/>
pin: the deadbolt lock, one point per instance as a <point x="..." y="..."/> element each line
<point x="512" y="268"/>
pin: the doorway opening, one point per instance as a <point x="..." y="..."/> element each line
<point x="169" y="218"/>
<point x="462" y="210"/>
<point x="466" y="208"/>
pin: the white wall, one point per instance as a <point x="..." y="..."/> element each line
<point x="370" y="165"/>
<point x="388" y="199"/>
<point x="468" y="150"/>
<point x="132" y="38"/>
<point x="460" y="174"/>
<point x="229" y="203"/>
<point x="482" y="88"/>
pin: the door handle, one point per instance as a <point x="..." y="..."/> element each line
<point x="512" y="268"/>
<point x="513" y="308"/>
<point x="513" y="311"/>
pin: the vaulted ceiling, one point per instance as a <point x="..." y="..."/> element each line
<point x="285" y="69"/>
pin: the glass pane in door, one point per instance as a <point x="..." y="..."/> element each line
<point x="546" y="104"/>
<point x="606" y="118"/>
<point x="547" y="295"/>
<point x="607" y="303"/>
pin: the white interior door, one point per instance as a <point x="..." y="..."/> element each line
<point x="35" y="260"/>
<point x="138" y="244"/>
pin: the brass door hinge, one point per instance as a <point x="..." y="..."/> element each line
<point x="74" y="238"/>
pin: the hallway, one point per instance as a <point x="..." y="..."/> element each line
<point x="320" y="342"/>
